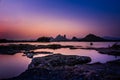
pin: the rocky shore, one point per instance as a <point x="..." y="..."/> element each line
<point x="57" y="60"/>
<point x="12" y="49"/>
<point x="69" y="67"/>
<point x="111" y="50"/>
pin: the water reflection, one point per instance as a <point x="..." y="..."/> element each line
<point x="13" y="65"/>
<point x="84" y="44"/>
<point x="96" y="57"/>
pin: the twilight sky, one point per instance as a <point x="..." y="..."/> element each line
<point x="29" y="19"/>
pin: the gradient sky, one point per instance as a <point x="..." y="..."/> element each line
<point x="29" y="19"/>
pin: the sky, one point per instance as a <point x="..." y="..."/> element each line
<point x="30" y="19"/>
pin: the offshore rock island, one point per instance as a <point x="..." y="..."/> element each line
<point x="63" y="38"/>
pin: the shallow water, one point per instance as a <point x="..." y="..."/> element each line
<point x="13" y="65"/>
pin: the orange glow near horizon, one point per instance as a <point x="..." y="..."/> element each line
<point x="30" y="19"/>
<point x="35" y="27"/>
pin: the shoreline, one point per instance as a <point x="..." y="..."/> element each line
<point x="12" y="49"/>
<point x="59" y="41"/>
<point x="95" y="71"/>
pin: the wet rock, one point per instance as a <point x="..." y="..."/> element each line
<point x="16" y="48"/>
<point x="56" y="60"/>
<point x="108" y="51"/>
<point x="95" y="71"/>
<point x="115" y="46"/>
<point x="30" y="54"/>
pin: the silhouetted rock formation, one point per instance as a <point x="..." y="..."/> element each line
<point x="60" y="38"/>
<point x="115" y="46"/>
<point x="3" y="40"/>
<point x="75" y="39"/>
<point x="44" y="39"/>
<point x="92" y="37"/>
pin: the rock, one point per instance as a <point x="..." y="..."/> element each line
<point x="92" y="37"/>
<point x="60" y="38"/>
<point x="95" y="71"/>
<point x="56" y="60"/>
<point x="108" y="51"/>
<point x="115" y="46"/>
<point x="12" y="49"/>
<point x="30" y="54"/>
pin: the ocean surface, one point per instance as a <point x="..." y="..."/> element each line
<point x="13" y="65"/>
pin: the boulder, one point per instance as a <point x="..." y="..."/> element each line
<point x="94" y="71"/>
<point x="57" y="60"/>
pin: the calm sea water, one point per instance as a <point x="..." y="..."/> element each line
<point x="13" y="65"/>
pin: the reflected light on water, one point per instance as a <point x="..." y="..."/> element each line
<point x="13" y="65"/>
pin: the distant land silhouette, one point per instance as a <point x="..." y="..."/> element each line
<point x="44" y="39"/>
<point x="60" y="38"/>
<point x="87" y="38"/>
<point x="92" y="37"/>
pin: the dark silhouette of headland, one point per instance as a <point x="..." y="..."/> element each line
<point x="59" y="38"/>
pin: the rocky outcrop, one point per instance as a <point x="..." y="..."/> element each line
<point x="16" y="48"/>
<point x="57" y="60"/>
<point x="75" y="39"/>
<point x="95" y="71"/>
<point x="110" y="50"/>
<point x="60" y="38"/>
<point x="92" y="37"/>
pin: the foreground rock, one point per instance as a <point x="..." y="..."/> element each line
<point x="56" y="60"/>
<point x="96" y="71"/>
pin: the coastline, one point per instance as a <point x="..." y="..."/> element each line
<point x="95" y="71"/>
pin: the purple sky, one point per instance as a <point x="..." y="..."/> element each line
<point x="29" y="19"/>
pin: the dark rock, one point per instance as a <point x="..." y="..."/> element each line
<point x="108" y="51"/>
<point x="60" y="38"/>
<point x="13" y="48"/>
<point x="44" y="39"/>
<point x="115" y="46"/>
<point x="75" y="39"/>
<point x="55" y="60"/>
<point x="16" y="48"/>
<point x="95" y="71"/>
<point x="3" y="40"/>
<point x="30" y="54"/>
<point x="92" y="37"/>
